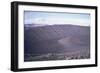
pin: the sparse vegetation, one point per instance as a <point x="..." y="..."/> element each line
<point x="58" y="56"/>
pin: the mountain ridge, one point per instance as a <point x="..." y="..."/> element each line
<point x="39" y="40"/>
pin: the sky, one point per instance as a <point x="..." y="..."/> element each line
<point x="41" y="18"/>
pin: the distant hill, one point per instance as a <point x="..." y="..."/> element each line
<point x="55" y="38"/>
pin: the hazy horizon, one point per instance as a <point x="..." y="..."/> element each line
<point x="52" y="18"/>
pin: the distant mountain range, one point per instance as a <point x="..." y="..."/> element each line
<point x="40" y="25"/>
<point x="56" y="38"/>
